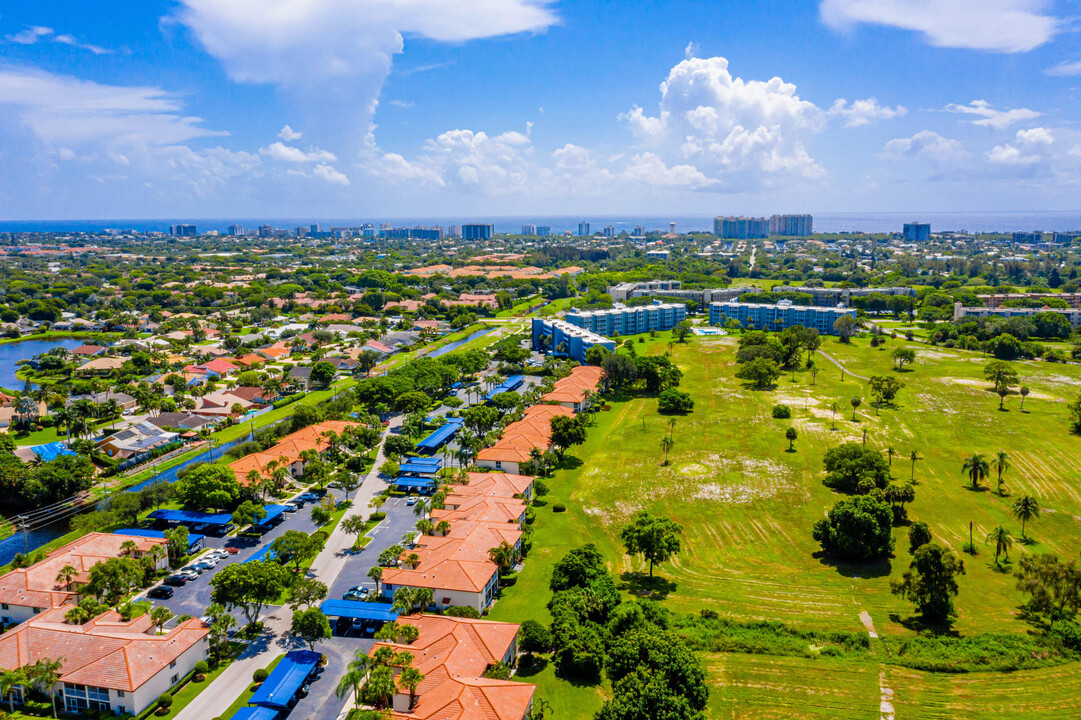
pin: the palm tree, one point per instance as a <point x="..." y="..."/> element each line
<point x="914" y="456"/>
<point x="1024" y="394"/>
<point x="9" y="680"/>
<point x="423" y="598"/>
<point x="410" y="678"/>
<point x="1002" y="540"/>
<point x="1002" y="464"/>
<point x="159" y="616"/>
<point x="791" y="435"/>
<point x="890" y="452"/>
<point x="666" y="445"/>
<point x="442" y="527"/>
<point x="976" y="468"/>
<point x="671" y="426"/>
<point x="65" y="417"/>
<point x="504" y="556"/>
<point x="66" y="575"/>
<point x="128" y="547"/>
<point x="45" y="674"/>
<point x="376" y="574"/>
<point x="356" y="673"/>
<point x="1024" y="509"/>
<point x="76" y="616"/>
<point x="856" y="402"/>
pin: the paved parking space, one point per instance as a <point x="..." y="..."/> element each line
<point x="321" y="702"/>
<point x="194" y="597"/>
<point x="400" y="520"/>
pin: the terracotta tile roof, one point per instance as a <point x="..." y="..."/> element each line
<point x="453" y="654"/>
<point x="572" y="389"/>
<point x="105" y="652"/>
<point x="534" y="430"/>
<point x="290" y="447"/>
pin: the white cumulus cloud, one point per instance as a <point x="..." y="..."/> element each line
<point x="287" y="153"/>
<point x="989" y="117"/>
<point x="864" y="112"/>
<point x="928" y="146"/>
<point x="288" y="134"/>
<point x="996" y="25"/>
<point x="330" y="174"/>
<point x="741" y="134"/>
<point x="1065" y="68"/>
<point x="1031" y="147"/>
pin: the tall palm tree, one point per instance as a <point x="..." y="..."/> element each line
<point x="856" y="402"/>
<point x="9" y="681"/>
<point x="356" y="674"/>
<point x="890" y="452"/>
<point x="1002" y="541"/>
<point x="128" y="547"/>
<point x="65" y="417"/>
<point x="666" y="445"/>
<point x="914" y="456"/>
<point x="977" y="468"/>
<point x="1026" y="508"/>
<point x="376" y="574"/>
<point x="1002" y="464"/>
<point x="410" y="678"/>
<point x="46" y="674"/>
<point x="423" y="598"/>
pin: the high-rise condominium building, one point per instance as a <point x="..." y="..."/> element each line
<point x="609" y="231"/>
<point x="544" y="230"/>
<point x="583" y="229"/>
<point x="529" y="229"/>
<point x="477" y="231"/>
<point x="791" y="225"/>
<point x="741" y="228"/>
<point x="917" y="232"/>
<point x="182" y="230"/>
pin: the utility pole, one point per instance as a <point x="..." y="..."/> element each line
<point x="22" y="526"/>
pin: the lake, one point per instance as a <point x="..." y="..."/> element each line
<point x="12" y="353"/>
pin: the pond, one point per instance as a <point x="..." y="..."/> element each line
<point x="12" y="353"/>
<point x="450" y="347"/>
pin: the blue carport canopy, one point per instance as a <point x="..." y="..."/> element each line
<point x="509" y="385"/>
<point x="380" y="612"/>
<point x="272" y="512"/>
<point x="284" y="681"/>
<point x="190" y="516"/>
<point x="441" y="435"/>
<point x="255" y="713"/>
<point x="415" y="483"/>
<point x="193" y="539"/>
<point x="265" y="553"/>
<point x="418" y="469"/>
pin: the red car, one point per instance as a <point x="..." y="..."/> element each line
<point x="232" y="550"/>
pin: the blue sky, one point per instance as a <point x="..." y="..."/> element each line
<point x="361" y="108"/>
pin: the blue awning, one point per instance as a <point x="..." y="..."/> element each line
<point x="424" y="460"/>
<point x="380" y="612"/>
<point x="441" y="435"/>
<point x="193" y="539"/>
<point x="272" y="511"/>
<point x="265" y="553"/>
<point x="411" y="483"/>
<point x="255" y="713"/>
<point x="509" y="385"/>
<point x="284" y="681"/>
<point x="189" y="516"/>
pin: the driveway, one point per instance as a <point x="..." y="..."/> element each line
<point x="194" y="597"/>
<point x="400" y="520"/>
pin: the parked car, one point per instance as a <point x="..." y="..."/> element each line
<point x="176" y="580"/>
<point x="188" y="574"/>
<point x="336" y="485"/>
<point x="410" y="501"/>
<point x="353" y="595"/>
<point x="160" y="592"/>
<point x="232" y="550"/>
<point x="290" y="507"/>
<point x="191" y="569"/>
<point x="358" y="589"/>
<point x="204" y="566"/>
<point x="308" y="497"/>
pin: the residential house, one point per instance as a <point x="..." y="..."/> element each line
<point x="100" y="366"/>
<point x="453" y="654"/>
<point x="87" y="351"/>
<point x="135" y="440"/>
<point x="301" y="377"/>
<point x="575" y="392"/>
<point x="534" y="430"/>
<point x="290" y="448"/>
<point x="107" y="664"/>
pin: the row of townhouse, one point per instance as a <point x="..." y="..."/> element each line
<point x="780" y="316"/>
<point x="107" y="663"/>
<point x="453" y="654"/>
<point x="1073" y="315"/>
<point x="290" y="447"/>
<point x="482" y="514"/>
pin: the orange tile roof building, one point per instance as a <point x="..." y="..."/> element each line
<point x="290" y="447"/>
<point x="453" y="654"/>
<point x="26" y="592"/>
<point x="107" y="663"/>
<point x="534" y="430"/>
<point x="575" y="391"/>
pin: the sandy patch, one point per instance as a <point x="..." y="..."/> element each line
<point x="804" y="401"/>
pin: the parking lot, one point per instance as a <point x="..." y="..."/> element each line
<point x="194" y="597"/>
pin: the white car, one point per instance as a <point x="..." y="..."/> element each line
<point x="217" y="553"/>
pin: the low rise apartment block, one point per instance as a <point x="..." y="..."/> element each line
<point x="780" y="316"/>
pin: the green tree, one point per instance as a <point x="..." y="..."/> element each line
<point x="1001" y="375"/>
<point x="1026" y="508"/>
<point x="884" y="390"/>
<point x="667" y="442"/>
<point x="654" y="537"/>
<point x="976" y="468"/>
<point x="1002" y="464"/>
<point x="1002" y="540"/>
<point x="919" y="534"/>
<point x="790" y="435"/>
<point x="761" y="373"/>
<point x="856" y="402"/>
<point x="208" y="486"/>
<point x="306" y="593"/>
<point x="354" y="677"/>
<point x="311" y="626"/>
<point x="322" y="373"/>
<point x="930" y="583"/>
<point x="853" y="468"/>
<point x="294" y="546"/>
<point x="248" y="513"/>
<point x="111" y="579"/>
<point x="249" y="586"/>
<point x="857" y="528"/>
<point x="903" y="356"/>
<point x="566" y="432"/>
<point x="1053" y="586"/>
<point x="159" y="616"/>
<point x="682" y="330"/>
<point x="845" y="327"/>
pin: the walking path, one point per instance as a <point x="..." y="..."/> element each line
<point x="842" y="367"/>
<point x="215" y="699"/>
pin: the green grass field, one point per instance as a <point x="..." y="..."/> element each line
<point x="747" y="507"/>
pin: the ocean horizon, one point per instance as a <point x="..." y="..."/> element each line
<point x="885" y="222"/>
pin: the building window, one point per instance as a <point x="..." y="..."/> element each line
<point x="174" y="679"/>
<point x="4" y="606"/>
<point x="172" y="664"/>
<point x="120" y="693"/>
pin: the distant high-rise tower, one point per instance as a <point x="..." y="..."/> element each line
<point x="182" y="230"/>
<point x="917" y="232"/>
<point x="741" y="228"/>
<point x="792" y="225"/>
<point x="671" y="228"/>
<point x="583" y="229"/>
<point x="236" y="230"/>
<point x="609" y="231"/>
<point x="529" y="229"/>
<point x="477" y="232"/>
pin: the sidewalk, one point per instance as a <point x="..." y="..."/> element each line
<point x="215" y="699"/>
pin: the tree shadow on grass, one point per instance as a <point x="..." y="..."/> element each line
<point x="869" y="569"/>
<point x="528" y="668"/>
<point x="917" y="624"/>
<point x="977" y="489"/>
<point x="569" y="462"/>
<point x="1002" y="567"/>
<point x="642" y="585"/>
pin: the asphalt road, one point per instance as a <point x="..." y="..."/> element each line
<point x="399" y="521"/>
<point x="194" y="597"/>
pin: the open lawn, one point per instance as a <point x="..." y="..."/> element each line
<point x="747" y="507"/>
